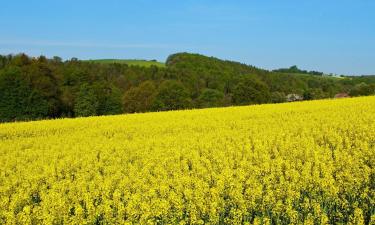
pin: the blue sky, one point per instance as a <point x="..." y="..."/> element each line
<point x="335" y="36"/>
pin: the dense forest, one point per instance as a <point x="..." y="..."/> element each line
<point x="37" y="88"/>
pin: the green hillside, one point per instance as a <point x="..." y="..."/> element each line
<point x="133" y="62"/>
<point x="38" y="88"/>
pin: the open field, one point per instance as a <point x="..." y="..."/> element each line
<point x="132" y="62"/>
<point x="311" y="162"/>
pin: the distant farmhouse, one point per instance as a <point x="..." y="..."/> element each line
<point x="294" y="97"/>
<point x="342" y="95"/>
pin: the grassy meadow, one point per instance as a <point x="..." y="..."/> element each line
<point x="131" y="62"/>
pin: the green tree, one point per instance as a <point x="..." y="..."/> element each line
<point x="45" y="85"/>
<point x="141" y="98"/>
<point x="314" y="93"/>
<point x="113" y="102"/>
<point x="251" y="90"/>
<point x="278" y="97"/>
<point x="172" y="95"/>
<point x="48" y="88"/>
<point x="18" y="100"/>
<point x="13" y="95"/>
<point x="67" y="101"/>
<point x="3" y="61"/>
<point x="210" y="98"/>
<point x="20" y="60"/>
<point x="86" y="102"/>
<point x="362" y="89"/>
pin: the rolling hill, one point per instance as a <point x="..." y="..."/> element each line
<point x="37" y="88"/>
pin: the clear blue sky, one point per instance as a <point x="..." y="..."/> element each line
<point x="335" y="36"/>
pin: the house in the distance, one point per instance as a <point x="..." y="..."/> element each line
<point x="294" y="97"/>
<point x="342" y="95"/>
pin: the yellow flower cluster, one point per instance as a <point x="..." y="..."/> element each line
<point x="306" y="162"/>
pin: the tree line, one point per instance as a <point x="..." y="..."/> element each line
<point x="295" y="69"/>
<point x="38" y="87"/>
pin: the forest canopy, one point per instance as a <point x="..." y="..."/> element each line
<point x="38" y="87"/>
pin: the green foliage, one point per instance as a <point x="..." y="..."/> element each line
<point x="278" y="97"/>
<point x="251" y="90"/>
<point x="18" y="100"/>
<point x="3" y="61"/>
<point x="140" y="98"/>
<point x="314" y="93"/>
<point x="172" y="95"/>
<point x="37" y="106"/>
<point x="20" y="60"/>
<point x="198" y="72"/>
<point x="44" y="84"/>
<point x="362" y="89"/>
<point x="86" y="103"/>
<point x="34" y="88"/>
<point x="295" y="69"/>
<point x="110" y="101"/>
<point x="14" y="94"/>
<point x="210" y="98"/>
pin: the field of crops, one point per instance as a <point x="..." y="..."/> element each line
<point x="306" y="162"/>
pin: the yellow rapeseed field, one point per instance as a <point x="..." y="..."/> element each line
<point x="306" y="162"/>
